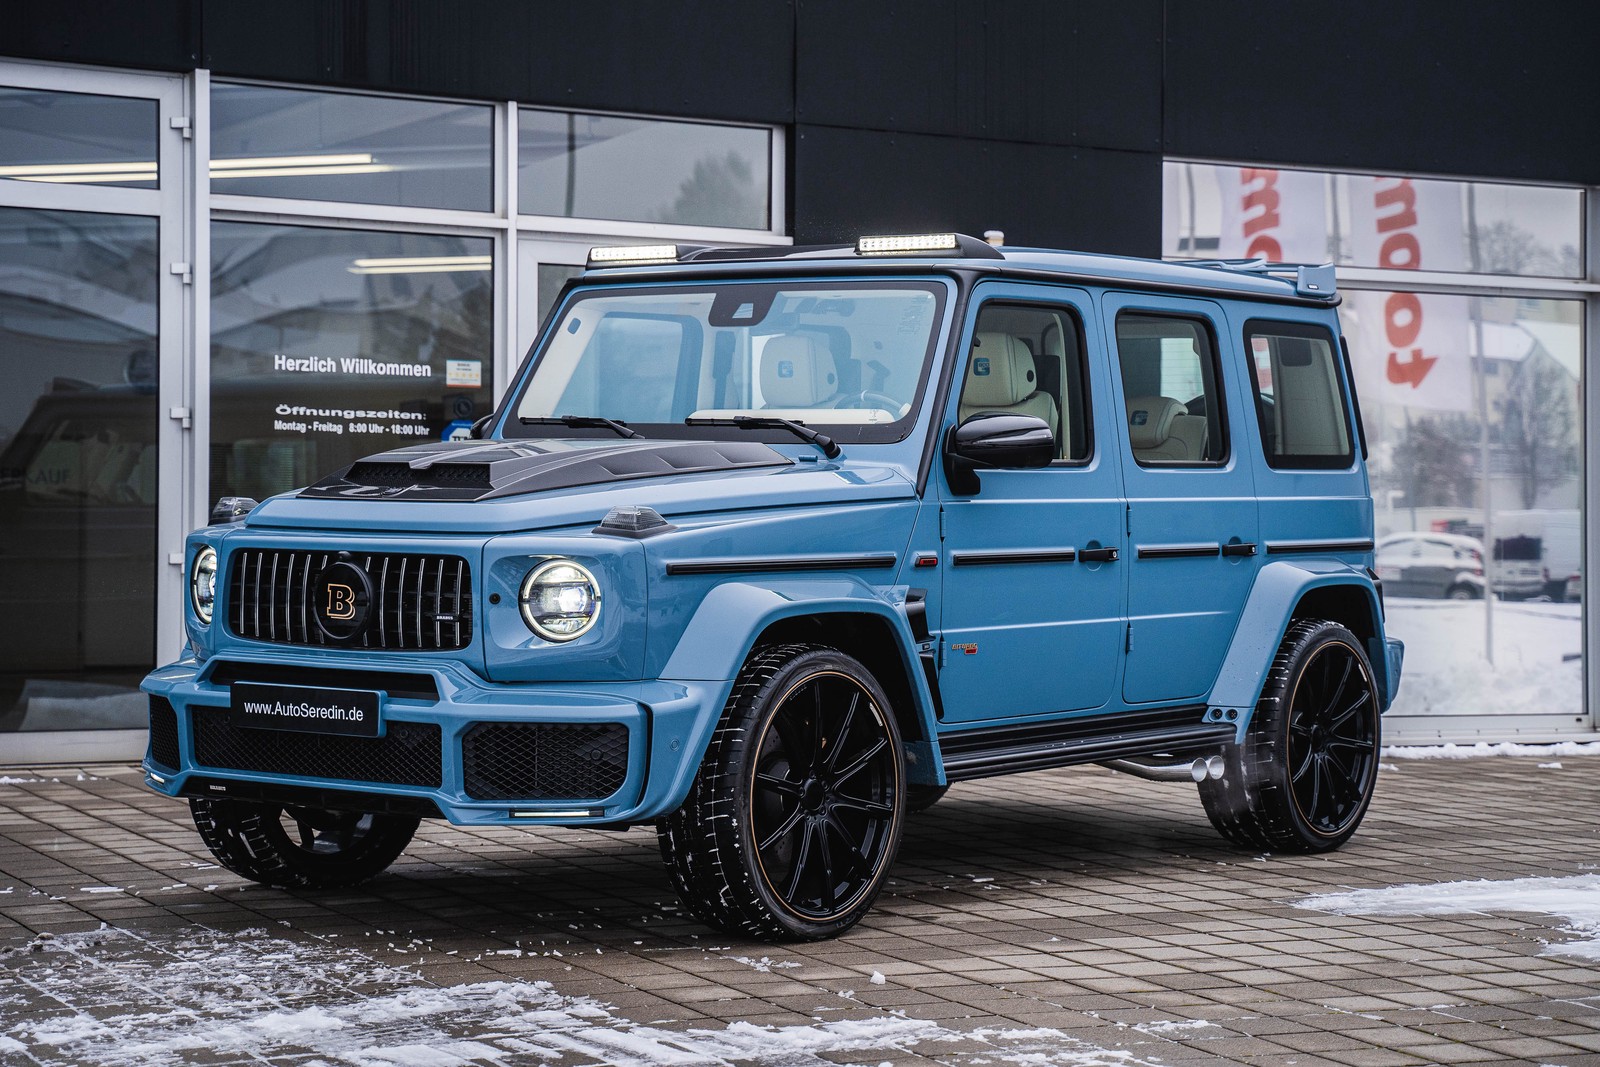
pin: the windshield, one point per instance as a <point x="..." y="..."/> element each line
<point x="850" y="357"/>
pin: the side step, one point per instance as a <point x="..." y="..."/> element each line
<point x="972" y="754"/>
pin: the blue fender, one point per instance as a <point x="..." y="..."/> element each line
<point x="1278" y="589"/>
<point x="724" y="629"/>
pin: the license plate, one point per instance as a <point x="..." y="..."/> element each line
<point x="305" y="709"/>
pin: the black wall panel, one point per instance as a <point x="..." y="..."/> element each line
<point x="122" y="33"/>
<point x="1470" y="87"/>
<point x="1086" y="73"/>
<point x="850" y="182"/>
<point x="728" y="59"/>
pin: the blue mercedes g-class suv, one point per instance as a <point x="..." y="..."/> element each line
<point x="767" y="548"/>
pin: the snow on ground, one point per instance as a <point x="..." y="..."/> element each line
<point x="1446" y="672"/>
<point x="120" y="999"/>
<point x="1484" y="748"/>
<point x="1576" y="900"/>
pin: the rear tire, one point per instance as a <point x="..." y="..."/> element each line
<point x="794" y="819"/>
<point x="300" y="848"/>
<point x="1305" y="774"/>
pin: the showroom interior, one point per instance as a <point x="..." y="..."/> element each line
<point x="225" y="228"/>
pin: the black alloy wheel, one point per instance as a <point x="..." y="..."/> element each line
<point x="795" y="817"/>
<point x="298" y="847"/>
<point x="1304" y="776"/>
<point x="1332" y="738"/>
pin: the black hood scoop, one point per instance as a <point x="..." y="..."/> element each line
<point x="483" y="470"/>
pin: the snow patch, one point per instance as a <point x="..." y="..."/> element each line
<point x="1484" y="748"/>
<point x="1173" y="1026"/>
<point x="136" y="1002"/>
<point x="1576" y="900"/>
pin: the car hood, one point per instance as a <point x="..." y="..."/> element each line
<point x="501" y="486"/>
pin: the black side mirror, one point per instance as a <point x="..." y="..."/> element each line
<point x="994" y="440"/>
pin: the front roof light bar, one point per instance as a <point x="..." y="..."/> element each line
<point x="906" y="242"/>
<point x="620" y="255"/>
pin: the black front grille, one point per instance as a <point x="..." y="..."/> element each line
<point x="544" y="761"/>
<point x="418" y="602"/>
<point x="163" y="734"/>
<point x="407" y="754"/>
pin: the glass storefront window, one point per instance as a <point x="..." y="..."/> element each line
<point x="308" y="145"/>
<point x="579" y="165"/>
<point x="328" y="345"/>
<point x="77" y="138"/>
<point x="78" y="467"/>
<point x="1362" y="220"/>
<point x="1482" y="568"/>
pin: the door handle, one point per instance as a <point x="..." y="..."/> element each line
<point x="1097" y="555"/>
<point x="1238" y="548"/>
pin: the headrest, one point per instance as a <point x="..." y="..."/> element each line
<point x="1000" y="372"/>
<point x="796" y="372"/>
<point x="1150" y="419"/>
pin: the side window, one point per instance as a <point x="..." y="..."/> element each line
<point x="1028" y="359"/>
<point x="1300" y="401"/>
<point x="1172" y="390"/>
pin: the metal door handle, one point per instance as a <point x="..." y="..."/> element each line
<point x="1097" y="555"/>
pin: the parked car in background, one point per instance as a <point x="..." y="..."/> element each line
<point x="1431" y="565"/>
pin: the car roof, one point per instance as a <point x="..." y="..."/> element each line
<point x="1257" y="279"/>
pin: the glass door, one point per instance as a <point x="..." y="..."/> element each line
<point x="91" y="493"/>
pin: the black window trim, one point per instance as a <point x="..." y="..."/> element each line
<point x="1075" y="313"/>
<point x="1218" y="382"/>
<point x="1311" y="331"/>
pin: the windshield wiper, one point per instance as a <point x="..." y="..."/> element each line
<point x="581" y="421"/>
<point x="768" y="422"/>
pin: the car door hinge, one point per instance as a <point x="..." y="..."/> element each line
<point x="1127" y="516"/>
<point x="1128" y="641"/>
<point x="184" y="414"/>
<point x="183" y="272"/>
<point x="182" y="124"/>
<point x="941" y="522"/>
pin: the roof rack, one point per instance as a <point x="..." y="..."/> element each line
<point x="1308" y="280"/>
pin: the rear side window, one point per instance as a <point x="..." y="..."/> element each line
<point x="1300" y="400"/>
<point x="1172" y="391"/>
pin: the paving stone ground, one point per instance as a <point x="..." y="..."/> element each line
<point x="1072" y="917"/>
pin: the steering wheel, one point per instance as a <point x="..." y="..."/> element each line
<point x="866" y="398"/>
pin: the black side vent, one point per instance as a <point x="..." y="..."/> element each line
<point x="163" y="734"/>
<point x="544" y="761"/>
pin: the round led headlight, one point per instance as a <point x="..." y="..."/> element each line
<point x="203" y="583"/>
<point x="560" y="600"/>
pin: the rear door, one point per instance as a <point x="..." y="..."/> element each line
<point x="1192" y="524"/>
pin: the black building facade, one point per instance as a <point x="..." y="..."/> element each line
<point x="1062" y="123"/>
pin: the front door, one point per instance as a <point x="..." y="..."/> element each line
<point x="1192" y="519"/>
<point x="1033" y="562"/>
<point x="94" y="413"/>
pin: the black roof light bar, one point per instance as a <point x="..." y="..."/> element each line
<point x="941" y="245"/>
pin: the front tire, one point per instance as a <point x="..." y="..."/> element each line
<point x="795" y="817"/>
<point x="300" y="848"/>
<point x="1304" y="776"/>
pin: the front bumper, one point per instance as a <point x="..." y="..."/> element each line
<point x="450" y="744"/>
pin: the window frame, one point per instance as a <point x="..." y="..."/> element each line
<point x="1214" y="390"/>
<point x="1312" y="332"/>
<point x="1085" y="381"/>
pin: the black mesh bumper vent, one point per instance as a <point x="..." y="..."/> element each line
<point x="408" y="753"/>
<point x="544" y="761"/>
<point x="163" y="734"/>
<point x="418" y="602"/>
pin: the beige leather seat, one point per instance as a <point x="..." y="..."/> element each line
<point x="1001" y="377"/>
<point x="1163" y="431"/>
<point x="797" y="371"/>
